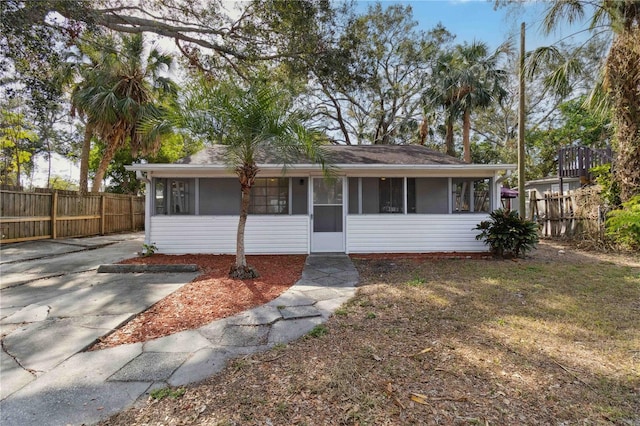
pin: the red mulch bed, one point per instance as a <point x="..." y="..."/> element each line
<point x="212" y="295"/>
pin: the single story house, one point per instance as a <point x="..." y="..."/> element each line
<point x="384" y="199"/>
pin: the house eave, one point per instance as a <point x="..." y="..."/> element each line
<point x="355" y="170"/>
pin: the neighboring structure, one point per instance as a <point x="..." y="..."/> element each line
<point x="577" y="162"/>
<point x="549" y="187"/>
<point x="385" y="198"/>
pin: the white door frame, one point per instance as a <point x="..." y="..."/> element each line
<point x="328" y="242"/>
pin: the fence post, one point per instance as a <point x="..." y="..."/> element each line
<point x="103" y="218"/>
<point x="54" y="215"/>
<point x="132" y="209"/>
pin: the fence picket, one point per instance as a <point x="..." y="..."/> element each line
<point x="26" y="216"/>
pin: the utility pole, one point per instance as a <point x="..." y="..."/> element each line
<point x="521" y="171"/>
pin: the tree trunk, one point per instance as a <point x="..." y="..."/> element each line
<point x="18" y="168"/>
<point x="240" y="269"/>
<point x="448" y="139"/>
<point x="466" y="129"/>
<point x="241" y="260"/>
<point x="424" y="130"/>
<point x="107" y="156"/>
<point x="84" y="159"/>
<point x="624" y="83"/>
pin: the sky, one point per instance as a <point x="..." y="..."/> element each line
<point x="477" y="20"/>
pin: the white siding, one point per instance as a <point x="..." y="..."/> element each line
<point x="217" y="234"/>
<point x="414" y="233"/>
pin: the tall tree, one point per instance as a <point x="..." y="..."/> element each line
<point x="210" y="33"/>
<point x="621" y="75"/>
<point x="480" y="84"/>
<point x="17" y="146"/>
<point x="367" y="81"/>
<point x="251" y="122"/>
<point x="118" y="94"/>
<point x="464" y="79"/>
<point x="443" y="93"/>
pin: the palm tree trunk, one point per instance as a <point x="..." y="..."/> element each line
<point x="241" y="260"/>
<point x="466" y="129"/>
<point x="424" y="130"/>
<point x="448" y="139"/>
<point x="240" y="270"/>
<point x="107" y="156"/>
<point x="624" y="80"/>
<point x="84" y="159"/>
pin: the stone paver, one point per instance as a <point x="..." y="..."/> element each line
<point x="72" y="387"/>
<point x="150" y="366"/>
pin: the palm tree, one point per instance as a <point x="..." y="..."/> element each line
<point x="464" y="79"/>
<point x="620" y="71"/>
<point x="479" y="84"/>
<point x="442" y="93"/>
<point x="120" y="89"/>
<point x="251" y="122"/>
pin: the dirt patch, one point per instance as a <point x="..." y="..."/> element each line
<point x="212" y="295"/>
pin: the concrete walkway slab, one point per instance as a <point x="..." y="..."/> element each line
<point x="53" y="307"/>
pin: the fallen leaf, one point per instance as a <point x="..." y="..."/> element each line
<point x="419" y="398"/>
<point x="424" y="351"/>
<point x="398" y="402"/>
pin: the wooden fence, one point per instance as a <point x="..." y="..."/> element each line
<point x="572" y="214"/>
<point x="26" y="216"/>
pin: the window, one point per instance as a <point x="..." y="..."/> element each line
<point x="160" y="192"/>
<point x="379" y="195"/>
<point x="471" y="195"/>
<point x="270" y="196"/>
<point x="174" y="196"/>
<point x="391" y="195"/>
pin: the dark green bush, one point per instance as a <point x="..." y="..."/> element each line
<point x="507" y="234"/>
<point x="623" y="225"/>
<point x="610" y="189"/>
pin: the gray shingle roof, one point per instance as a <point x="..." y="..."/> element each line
<point x="343" y="154"/>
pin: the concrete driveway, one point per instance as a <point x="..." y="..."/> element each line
<point x="53" y="303"/>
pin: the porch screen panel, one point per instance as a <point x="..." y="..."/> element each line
<point x="431" y="196"/>
<point x="471" y="195"/>
<point x="370" y="196"/>
<point x="270" y="196"/>
<point x="174" y="196"/>
<point x="354" y="196"/>
<point x="391" y="195"/>
<point x="182" y="196"/>
<point x="220" y="197"/>
<point x="160" y="196"/>
<point x="299" y="195"/>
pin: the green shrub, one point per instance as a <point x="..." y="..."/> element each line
<point x="623" y="225"/>
<point x="149" y="249"/>
<point x="610" y="189"/>
<point x="507" y="234"/>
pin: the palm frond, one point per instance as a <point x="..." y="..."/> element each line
<point x="569" y="11"/>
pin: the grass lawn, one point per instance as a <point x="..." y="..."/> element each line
<point x="554" y="339"/>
